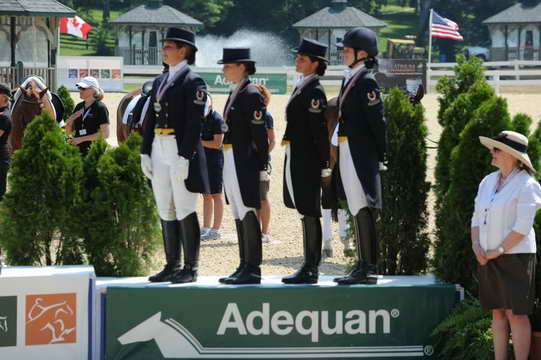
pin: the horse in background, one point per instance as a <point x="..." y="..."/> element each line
<point x="30" y="99"/>
<point x="131" y="112"/>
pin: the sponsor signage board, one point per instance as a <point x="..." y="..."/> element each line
<point x="108" y="70"/>
<point x="272" y="321"/>
<point x="405" y="74"/>
<point x="46" y="312"/>
<point x="275" y="82"/>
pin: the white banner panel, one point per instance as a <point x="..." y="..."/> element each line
<point x="47" y="312"/>
<point x="107" y="69"/>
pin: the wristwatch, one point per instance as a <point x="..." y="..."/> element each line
<point x="501" y="250"/>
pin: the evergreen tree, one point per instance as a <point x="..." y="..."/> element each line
<point x="467" y="72"/>
<point x="45" y="188"/>
<point x="404" y="240"/>
<point x="455" y="117"/>
<point x="521" y="123"/>
<point x="121" y="226"/>
<point x="470" y="163"/>
<point x="65" y="96"/>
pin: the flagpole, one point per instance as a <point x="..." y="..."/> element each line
<point x="428" y="69"/>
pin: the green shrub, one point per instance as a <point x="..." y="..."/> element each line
<point x="403" y="237"/>
<point x="45" y="186"/>
<point x="456" y="116"/>
<point x="470" y="163"/>
<point x="65" y="96"/>
<point x="467" y="72"/>
<point x="521" y="123"/>
<point x="465" y="335"/>
<point x="121" y="226"/>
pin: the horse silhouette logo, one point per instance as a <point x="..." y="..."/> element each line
<point x="51" y="319"/>
<point x="176" y="342"/>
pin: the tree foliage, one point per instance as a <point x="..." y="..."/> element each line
<point x="44" y="189"/>
<point x="470" y="163"/>
<point x="461" y="95"/>
<point x="65" y="96"/>
<point x="121" y="224"/>
<point x="404" y="240"/>
<point x="61" y="210"/>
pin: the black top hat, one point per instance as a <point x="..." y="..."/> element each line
<point x="312" y="48"/>
<point x="182" y="35"/>
<point x="236" y="55"/>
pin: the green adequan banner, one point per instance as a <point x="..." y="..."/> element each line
<point x="275" y="82"/>
<point x="387" y="321"/>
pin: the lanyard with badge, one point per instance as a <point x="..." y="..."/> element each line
<point x="500" y="184"/>
<point x="82" y="132"/>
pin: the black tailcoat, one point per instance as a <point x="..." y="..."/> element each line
<point x="362" y="121"/>
<point x="308" y="136"/>
<point x="247" y="133"/>
<point x="183" y="106"/>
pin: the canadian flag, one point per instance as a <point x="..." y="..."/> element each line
<point x="75" y="26"/>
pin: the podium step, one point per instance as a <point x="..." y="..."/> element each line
<point x="208" y="320"/>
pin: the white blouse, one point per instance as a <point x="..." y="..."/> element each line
<point x="512" y="208"/>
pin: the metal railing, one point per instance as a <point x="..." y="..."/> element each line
<point x="14" y="76"/>
<point x="133" y="56"/>
<point x="497" y="73"/>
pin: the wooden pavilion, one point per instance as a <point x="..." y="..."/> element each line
<point x="141" y="30"/>
<point x="331" y="23"/>
<point x="30" y="30"/>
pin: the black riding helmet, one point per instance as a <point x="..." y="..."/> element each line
<point x="360" y="38"/>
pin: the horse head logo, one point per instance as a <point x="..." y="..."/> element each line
<point x="173" y="340"/>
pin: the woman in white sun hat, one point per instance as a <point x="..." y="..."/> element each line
<point x="90" y="119"/>
<point x="503" y="241"/>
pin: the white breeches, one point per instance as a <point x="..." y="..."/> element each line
<point x="353" y="188"/>
<point x="232" y="188"/>
<point x="289" y="183"/>
<point x="327" y="223"/>
<point x="173" y="200"/>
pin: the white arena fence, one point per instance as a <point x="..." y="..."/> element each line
<point x="520" y="73"/>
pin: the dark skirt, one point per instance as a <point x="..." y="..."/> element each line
<point x="215" y="166"/>
<point x="508" y="282"/>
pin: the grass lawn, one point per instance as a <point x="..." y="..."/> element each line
<point x="400" y="22"/>
<point x="74" y="46"/>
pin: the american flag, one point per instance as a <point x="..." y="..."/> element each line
<point x="444" y="28"/>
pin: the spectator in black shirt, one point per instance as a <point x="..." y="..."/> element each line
<point x="213" y="204"/>
<point x="90" y="119"/>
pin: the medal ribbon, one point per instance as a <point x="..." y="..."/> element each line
<point x="167" y="84"/>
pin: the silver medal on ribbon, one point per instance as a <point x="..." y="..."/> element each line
<point x="157" y="107"/>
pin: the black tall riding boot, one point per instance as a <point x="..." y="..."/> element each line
<point x="240" y="237"/>
<point x="191" y="236"/>
<point x="250" y="273"/>
<point x="172" y="248"/>
<point x="365" y="269"/>
<point x="312" y="238"/>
